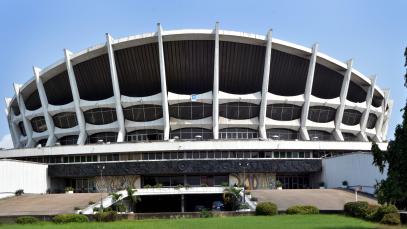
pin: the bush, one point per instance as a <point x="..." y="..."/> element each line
<point x="345" y="183"/>
<point x="356" y="209"/>
<point x="107" y="216"/>
<point x="68" y="189"/>
<point x="254" y="199"/>
<point x="19" y="192"/>
<point x="302" y="210"/>
<point x="205" y="214"/>
<point x="391" y="219"/>
<point x="383" y="210"/>
<point x="371" y="211"/>
<point x="120" y="208"/>
<point x="26" y="220"/>
<point x="244" y="206"/>
<point x="266" y="208"/>
<point x="70" y="218"/>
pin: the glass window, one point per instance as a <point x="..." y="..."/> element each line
<point x="190" y="110"/>
<point x="143" y="113"/>
<point x="238" y="133"/>
<point x="283" y="112"/>
<point x="238" y="110"/>
<point x="282" y="134"/>
<point x="191" y="134"/>
<point x="351" y="117"/>
<point x="104" y="137"/>
<point x="321" y="114"/>
<point x="371" y="121"/>
<point x="38" y="124"/>
<point x="100" y="116"/>
<point x="65" y="120"/>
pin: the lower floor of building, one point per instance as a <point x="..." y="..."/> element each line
<point x="249" y="180"/>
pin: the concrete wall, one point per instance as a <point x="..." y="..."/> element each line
<point x="14" y="175"/>
<point x="355" y="168"/>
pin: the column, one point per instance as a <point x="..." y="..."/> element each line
<point x="116" y="89"/>
<point x="265" y="87"/>
<point x="44" y="103"/>
<point x="26" y="122"/>
<point x="344" y="92"/>
<point x="387" y="119"/>
<point x="76" y="98"/>
<point x="307" y="93"/>
<point x="164" y="98"/>
<point x="365" y="115"/>
<point x="12" y="126"/>
<point x="380" y="120"/>
<point x="215" y="90"/>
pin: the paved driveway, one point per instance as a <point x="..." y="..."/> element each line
<point x="324" y="199"/>
<point x="49" y="204"/>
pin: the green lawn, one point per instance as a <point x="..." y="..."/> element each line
<point x="243" y="222"/>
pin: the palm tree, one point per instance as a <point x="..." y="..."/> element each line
<point x="231" y="197"/>
<point x="132" y="198"/>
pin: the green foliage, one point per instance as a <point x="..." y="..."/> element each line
<point x="70" y="218"/>
<point x="231" y="198"/>
<point x="26" y="220"/>
<point x="302" y="210"/>
<point x="266" y="208"/>
<point x="132" y="198"/>
<point x="279" y="184"/>
<point x="107" y="216"/>
<point x="158" y="185"/>
<point x="205" y="214"/>
<point x="120" y="207"/>
<point x="179" y="186"/>
<point x="19" y="192"/>
<point x="391" y="219"/>
<point x="147" y="186"/>
<point x="244" y="206"/>
<point x="356" y="209"/>
<point x="393" y="190"/>
<point x="67" y="189"/>
<point x="345" y="183"/>
<point x="116" y="196"/>
<point x="371" y="211"/>
<point x="383" y="210"/>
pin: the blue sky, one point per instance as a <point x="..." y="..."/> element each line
<point x="373" y="33"/>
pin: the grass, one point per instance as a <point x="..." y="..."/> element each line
<point x="242" y="222"/>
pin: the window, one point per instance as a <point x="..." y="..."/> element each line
<point x="318" y="135"/>
<point x="38" y="124"/>
<point x="282" y="134"/>
<point x="100" y="116"/>
<point x="104" y="137"/>
<point x="144" y="135"/>
<point x="283" y="112"/>
<point x="371" y="121"/>
<point x="191" y="110"/>
<point x="237" y="133"/>
<point x="351" y="117"/>
<point x="143" y="113"/>
<point x="238" y="110"/>
<point x="321" y="114"/>
<point x="191" y="134"/>
<point x="69" y="140"/>
<point x="65" y="120"/>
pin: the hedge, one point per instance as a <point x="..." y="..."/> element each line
<point x="108" y="216"/>
<point x="383" y="210"/>
<point x="266" y="208"/>
<point x="70" y="218"/>
<point x="391" y="219"/>
<point x="302" y="210"/>
<point x="356" y="209"/>
<point x="26" y="220"/>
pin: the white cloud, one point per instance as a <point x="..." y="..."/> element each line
<point x="6" y="142"/>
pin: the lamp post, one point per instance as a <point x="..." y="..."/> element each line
<point x="101" y="167"/>
<point x="244" y="165"/>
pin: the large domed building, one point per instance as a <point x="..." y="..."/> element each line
<point x="194" y="107"/>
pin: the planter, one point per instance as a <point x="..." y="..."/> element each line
<point x="69" y="192"/>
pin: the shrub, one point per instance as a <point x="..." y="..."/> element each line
<point x="147" y="186"/>
<point x="26" y="220"/>
<point x="254" y="199"/>
<point x="120" y="208"/>
<point x="67" y="189"/>
<point x="383" y="210"/>
<point x="356" y="209"/>
<point x="19" y="192"/>
<point x="244" y="206"/>
<point x="266" y="208"/>
<point x="70" y="218"/>
<point x="302" y="210"/>
<point x="371" y="211"/>
<point x="205" y="214"/>
<point x="391" y="219"/>
<point x="76" y="208"/>
<point x="108" y="216"/>
<point x="345" y="183"/>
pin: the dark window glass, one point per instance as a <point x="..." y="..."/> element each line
<point x="65" y="120"/>
<point x="351" y="117"/>
<point x="194" y="180"/>
<point x="69" y="140"/>
<point x="283" y="112"/>
<point x="191" y="110"/>
<point x="318" y="135"/>
<point x="42" y="142"/>
<point x="220" y="180"/>
<point x="22" y="129"/>
<point x="371" y="121"/>
<point x="144" y="135"/>
<point x="321" y="114"/>
<point x="38" y="124"/>
<point x="104" y="137"/>
<point x="349" y="137"/>
<point x="282" y="134"/>
<point x="237" y="133"/>
<point x="191" y="133"/>
<point x="238" y="110"/>
<point x="143" y="113"/>
<point x="100" y="116"/>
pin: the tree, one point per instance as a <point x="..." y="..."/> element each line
<point x="394" y="189"/>
<point x="133" y="199"/>
<point x="231" y="197"/>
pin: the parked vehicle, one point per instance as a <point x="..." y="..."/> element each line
<point x="218" y="206"/>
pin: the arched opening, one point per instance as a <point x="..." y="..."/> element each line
<point x="238" y="110"/>
<point x="65" y="120"/>
<point x="143" y="113"/>
<point x="321" y="114"/>
<point x="100" y="116"/>
<point x="351" y="117"/>
<point x="104" y="137"/>
<point x="38" y="124"/>
<point x="191" y="134"/>
<point x="238" y="133"/>
<point x="144" y="135"/>
<point x="283" y="112"/>
<point x="282" y="134"/>
<point x="190" y="110"/>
